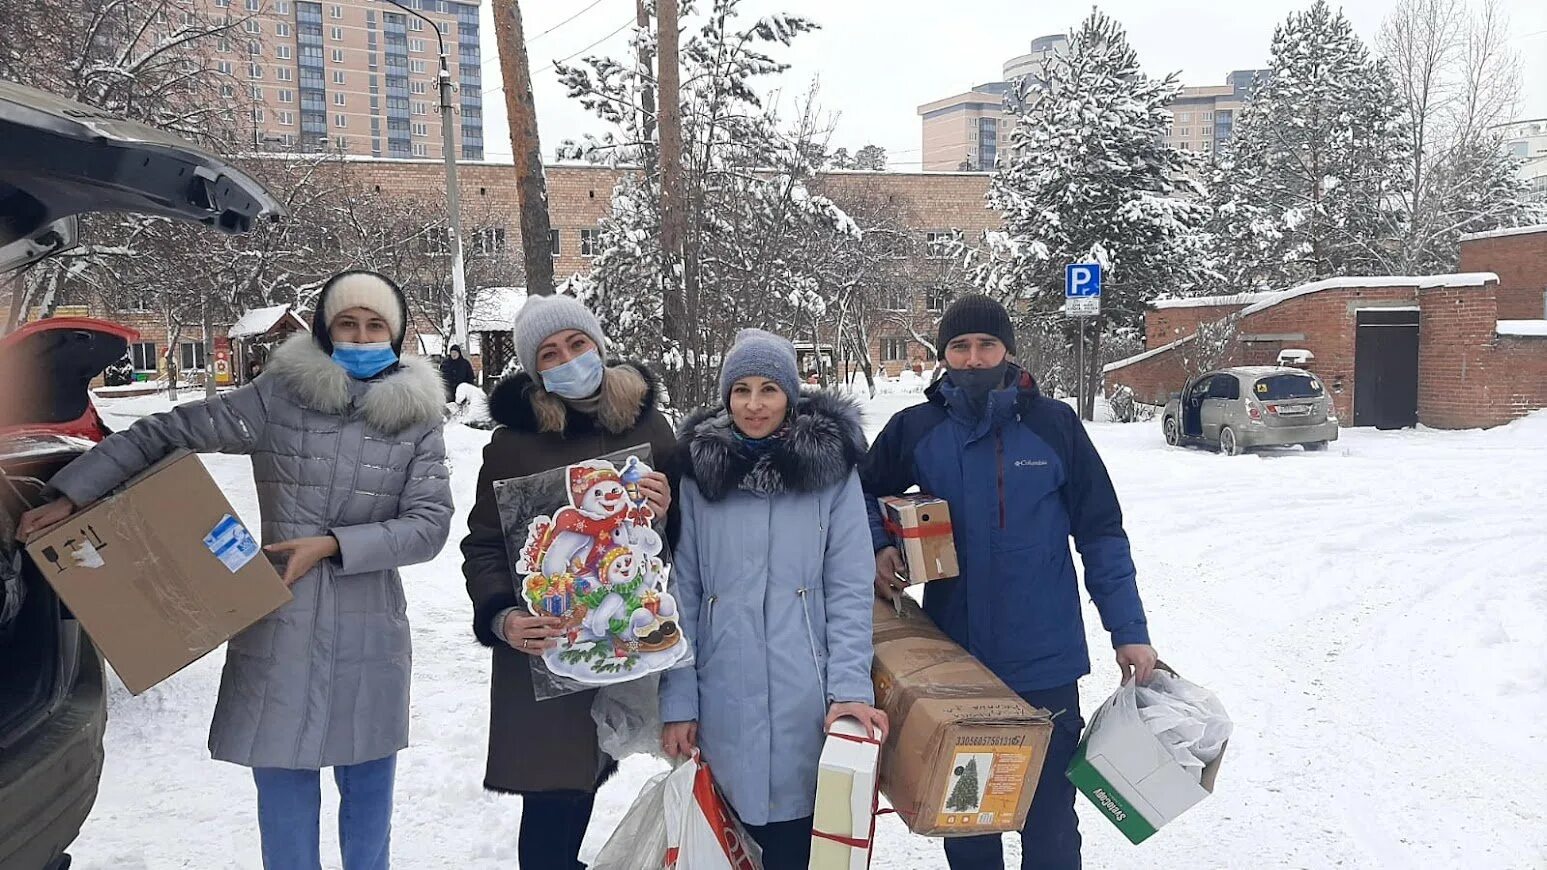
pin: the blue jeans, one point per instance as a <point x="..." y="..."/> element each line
<point x="1050" y="839"/>
<point x="290" y="809"/>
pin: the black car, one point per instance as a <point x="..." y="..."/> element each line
<point x="58" y="160"/>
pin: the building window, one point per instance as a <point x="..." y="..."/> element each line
<point x="337" y="11"/>
<point x="416" y="46"/>
<point x="339" y="99"/>
<point x="553" y="241"/>
<point x="254" y="5"/>
<point x="1208" y="117"/>
<point x="192" y="353"/>
<point x="342" y="144"/>
<point x="282" y="28"/>
<point x="223" y="67"/>
<point x="341" y="121"/>
<point x="588" y="243"/>
<point x="282" y="52"/>
<point x="228" y="91"/>
<point x="1186" y="146"/>
<point x="257" y="115"/>
<point x="1208" y="145"/>
<point x="287" y="119"/>
<point x="254" y="71"/>
<point x="936" y="298"/>
<point x="421" y="129"/>
<point x="421" y="108"/>
<point x="937" y="245"/>
<point x="415" y="25"/>
<point x="419" y="67"/>
<point x="338" y="77"/>
<point x="1184" y="118"/>
<point x="222" y="3"/>
<point x="254" y="49"/>
<point x="282" y="7"/>
<point x="337" y="33"/>
<point x="252" y="26"/>
<point x="489" y="240"/>
<point x="338" y="55"/>
<point x="420" y="87"/>
<point x="894" y="349"/>
<point x="421" y="149"/>
<point x="143" y="354"/>
<point x="284" y="73"/>
<point x="257" y="92"/>
<point x="224" y="44"/>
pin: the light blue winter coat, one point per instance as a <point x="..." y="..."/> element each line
<point x="773" y="582"/>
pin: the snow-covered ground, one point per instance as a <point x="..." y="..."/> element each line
<point x="1374" y="617"/>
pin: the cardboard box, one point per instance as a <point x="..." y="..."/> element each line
<point x="1132" y="779"/>
<point x="921" y="526"/>
<point x="965" y="752"/>
<point x="843" y="826"/>
<point x="160" y="572"/>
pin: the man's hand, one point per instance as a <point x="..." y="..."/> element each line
<point x="679" y="739"/>
<point x="303" y="554"/>
<point x="533" y="635"/>
<point x="38" y="519"/>
<point x="874" y="720"/>
<point x="1137" y="660"/>
<point x="657" y="493"/>
<point x="890" y="570"/>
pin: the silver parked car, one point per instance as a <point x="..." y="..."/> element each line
<point x="1237" y="409"/>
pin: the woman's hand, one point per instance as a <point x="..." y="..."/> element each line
<point x="530" y="634"/>
<point x="1137" y="660"/>
<point x="303" y="554"/>
<point x="40" y="518"/>
<point x="874" y="720"/>
<point x="679" y="739"/>
<point x="657" y="490"/>
<point x="890" y="568"/>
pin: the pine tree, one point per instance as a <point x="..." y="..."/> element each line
<point x="1089" y="177"/>
<point x="964" y="797"/>
<point x="1313" y="183"/>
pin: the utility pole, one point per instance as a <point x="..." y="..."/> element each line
<point x="646" y="86"/>
<point x="448" y="147"/>
<point x="531" y="187"/>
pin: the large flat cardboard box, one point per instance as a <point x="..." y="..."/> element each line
<point x="965" y="752"/>
<point x="920" y="525"/>
<point x="159" y="572"/>
<point x="1132" y="779"/>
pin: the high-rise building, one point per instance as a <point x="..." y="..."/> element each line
<point x="1527" y="141"/>
<point x="356" y="76"/>
<point x="970" y="131"/>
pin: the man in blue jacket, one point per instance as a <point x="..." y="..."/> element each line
<point x="1021" y="477"/>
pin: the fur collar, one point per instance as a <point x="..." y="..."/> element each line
<point x="824" y="443"/>
<point x="409" y="394"/>
<point x="630" y="392"/>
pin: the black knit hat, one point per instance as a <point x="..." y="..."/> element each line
<point x="976" y="313"/>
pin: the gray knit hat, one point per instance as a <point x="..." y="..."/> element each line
<point x="762" y="354"/>
<point x="542" y="316"/>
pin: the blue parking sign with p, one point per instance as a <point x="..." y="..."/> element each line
<point x="1082" y="280"/>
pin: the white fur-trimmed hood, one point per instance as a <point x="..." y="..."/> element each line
<point x="411" y="395"/>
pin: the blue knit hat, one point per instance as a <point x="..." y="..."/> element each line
<point x="759" y="353"/>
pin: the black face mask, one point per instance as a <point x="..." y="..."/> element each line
<point x="976" y="384"/>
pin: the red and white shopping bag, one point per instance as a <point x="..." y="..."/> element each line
<point x="701" y="832"/>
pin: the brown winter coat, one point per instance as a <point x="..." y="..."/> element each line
<point x="549" y="745"/>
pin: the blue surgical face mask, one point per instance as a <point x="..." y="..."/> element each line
<point x="577" y="379"/>
<point x="364" y="361"/>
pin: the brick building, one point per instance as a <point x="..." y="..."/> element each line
<point x="1461" y="350"/>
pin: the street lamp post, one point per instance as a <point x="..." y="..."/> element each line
<point x="453" y="192"/>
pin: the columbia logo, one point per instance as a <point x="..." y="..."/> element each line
<point x="1030" y="463"/>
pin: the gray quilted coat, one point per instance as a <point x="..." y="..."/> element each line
<point x="324" y="680"/>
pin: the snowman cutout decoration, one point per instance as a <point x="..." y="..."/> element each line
<point x="595" y="564"/>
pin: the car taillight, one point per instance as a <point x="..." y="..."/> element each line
<point x="1254" y="412"/>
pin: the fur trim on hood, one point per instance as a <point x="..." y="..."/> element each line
<point x="630" y="391"/>
<point x="408" y="394"/>
<point x="824" y="443"/>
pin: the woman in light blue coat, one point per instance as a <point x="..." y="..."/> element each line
<point x="772" y="578"/>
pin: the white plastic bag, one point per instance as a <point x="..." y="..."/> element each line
<point x="1189" y="720"/>
<point x="639" y="843"/>
<point x="701" y="831"/>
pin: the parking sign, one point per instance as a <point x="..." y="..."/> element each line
<point x="1082" y="289"/>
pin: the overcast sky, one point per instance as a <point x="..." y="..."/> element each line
<point x="876" y="63"/>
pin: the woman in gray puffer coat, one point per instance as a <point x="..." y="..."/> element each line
<point x="346" y="446"/>
<point x="772" y="578"/>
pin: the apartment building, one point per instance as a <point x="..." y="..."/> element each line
<point x="356" y="76"/>
<point x="1527" y="141"/>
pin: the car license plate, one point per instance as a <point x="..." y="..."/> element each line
<point x="1293" y="410"/>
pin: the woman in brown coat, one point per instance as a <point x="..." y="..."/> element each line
<point x="565" y="406"/>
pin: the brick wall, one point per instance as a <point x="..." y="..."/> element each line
<point x="1165" y="325"/>
<point x="1520" y="261"/>
<point x="1468" y="375"/>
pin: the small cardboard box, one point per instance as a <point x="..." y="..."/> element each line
<point x="1132" y="779"/>
<point x="844" y="822"/>
<point x="921" y="526"/>
<point x="965" y="752"/>
<point x="159" y="572"/>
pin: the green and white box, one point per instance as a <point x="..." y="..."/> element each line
<point x="1129" y="775"/>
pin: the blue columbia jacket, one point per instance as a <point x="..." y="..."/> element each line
<point x="1021" y="480"/>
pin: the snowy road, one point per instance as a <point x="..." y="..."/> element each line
<point x="1374" y="617"/>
